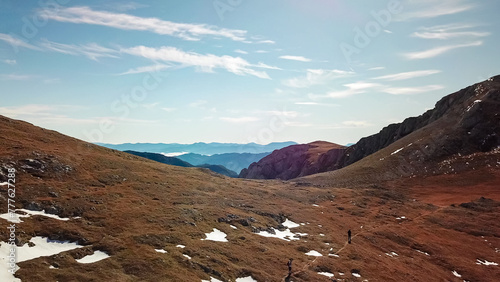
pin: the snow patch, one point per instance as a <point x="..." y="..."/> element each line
<point x="314" y="254"/>
<point x="327" y="274"/>
<point x="216" y="235"/>
<point x="456" y="274"/>
<point x="397" y="151"/>
<point x="211" y="280"/>
<point x="95" y="257"/>
<point x="15" y="217"/>
<point x="422" y="252"/>
<point x="161" y="251"/>
<point x="356" y="274"/>
<point x="290" y="224"/>
<point x="485" y="262"/>
<point x="188" y="257"/>
<point x="334" y="255"/>
<point x="246" y="279"/>
<point x="181" y="246"/>
<point x="233" y="227"/>
<point x="314" y="205"/>
<point x="42" y="247"/>
<point x="286" y="235"/>
<point x="473" y="104"/>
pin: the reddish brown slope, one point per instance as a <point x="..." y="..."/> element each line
<point x="295" y="161"/>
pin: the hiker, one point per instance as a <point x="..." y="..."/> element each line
<point x="289" y="264"/>
<point x="349" y="236"/>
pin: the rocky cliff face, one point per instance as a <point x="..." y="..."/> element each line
<point x="473" y="116"/>
<point x="295" y="161"/>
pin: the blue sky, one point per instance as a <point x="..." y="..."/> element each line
<point x="238" y="70"/>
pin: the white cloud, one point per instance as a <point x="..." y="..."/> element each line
<point x="198" y="103"/>
<point x="239" y="119"/>
<point x="307" y="103"/>
<point x="288" y="114"/>
<point x="168" y="110"/>
<point x="16" y="42"/>
<point x="266" y="42"/>
<point x="152" y="68"/>
<point x="438" y="51"/>
<point x="19" y="77"/>
<point x="407" y="75"/>
<point x="449" y="31"/>
<point x="92" y="51"/>
<point x="150" y="105"/>
<point x="240" y="51"/>
<point x="10" y="62"/>
<point x="261" y="51"/>
<point x="85" y="15"/>
<point x="376" y="68"/>
<point x="412" y="90"/>
<point x="352" y="89"/>
<point x="315" y="77"/>
<point x="431" y="9"/>
<point x="205" y="63"/>
<point x="295" y="58"/>
<point x="353" y="123"/>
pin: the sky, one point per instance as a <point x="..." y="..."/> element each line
<point x="238" y="71"/>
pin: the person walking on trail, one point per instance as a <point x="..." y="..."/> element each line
<point x="289" y="264"/>
<point x="349" y="236"/>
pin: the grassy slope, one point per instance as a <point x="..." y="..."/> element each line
<point x="130" y="206"/>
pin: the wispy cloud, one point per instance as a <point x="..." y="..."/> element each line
<point x="205" y="63"/>
<point x="152" y="68"/>
<point x="295" y="58"/>
<point x="376" y="68"/>
<point x="412" y="90"/>
<point x="16" y="77"/>
<point x="168" y="110"/>
<point x="266" y="42"/>
<point x="239" y="119"/>
<point x="315" y="77"/>
<point x="16" y="42"/>
<point x="198" y="103"/>
<point x="407" y="75"/>
<point x="92" y="51"/>
<point x="431" y="9"/>
<point x="351" y="89"/>
<point x="438" y="50"/>
<point x="194" y="32"/>
<point x="10" y="62"/>
<point x="240" y="51"/>
<point x="449" y="31"/>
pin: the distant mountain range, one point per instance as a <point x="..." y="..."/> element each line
<point x="199" y="148"/>
<point x="177" y="162"/>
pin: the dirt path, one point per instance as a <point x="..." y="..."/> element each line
<point x="307" y="265"/>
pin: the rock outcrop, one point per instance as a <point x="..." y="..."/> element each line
<point x="296" y="161"/>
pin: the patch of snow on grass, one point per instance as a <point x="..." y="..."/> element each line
<point x="246" y="279"/>
<point x="327" y="274"/>
<point x="314" y="205"/>
<point x="15" y="217"/>
<point x="216" y="235"/>
<point x="356" y="274"/>
<point x="485" y="262"/>
<point x="211" y="280"/>
<point x="233" y="227"/>
<point x="42" y="247"/>
<point x="397" y="151"/>
<point x="314" y="254"/>
<point x="161" y="251"/>
<point x="422" y="252"/>
<point x="334" y="255"/>
<point x="290" y="224"/>
<point x="188" y="257"/>
<point x="456" y="274"/>
<point x="95" y="257"/>
<point x="181" y="246"/>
